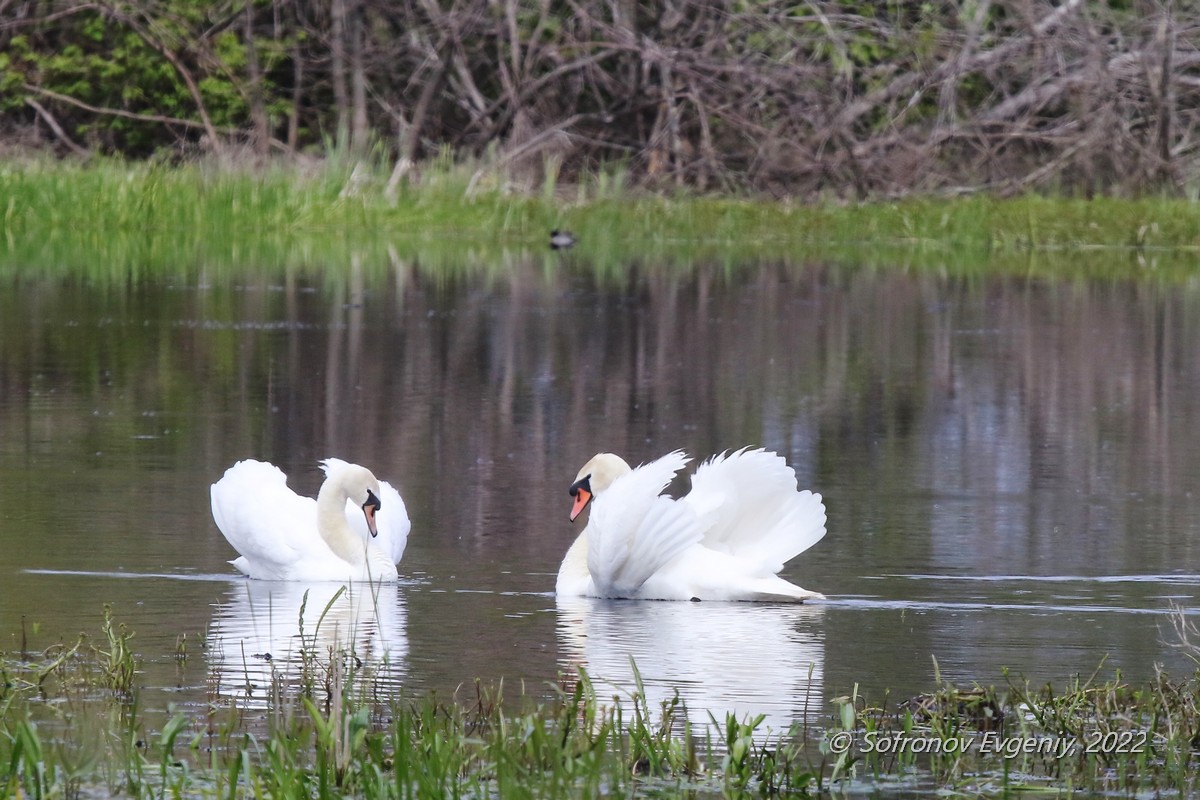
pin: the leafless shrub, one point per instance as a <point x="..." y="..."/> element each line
<point x="818" y="98"/>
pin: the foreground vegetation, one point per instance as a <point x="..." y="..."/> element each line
<point x="72" y="723"/>
<point x="119" y="220"/>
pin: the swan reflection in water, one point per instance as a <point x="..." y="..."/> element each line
<point x="741" y="658"/>
<point x="283" y="634"/>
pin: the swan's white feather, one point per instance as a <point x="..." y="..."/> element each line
<point x="636" y="531"/>
<point x="750" y="508"/>
<point x="265" y="521"/>
<point x="701" y="573"/>
<point x="622" y="562"/>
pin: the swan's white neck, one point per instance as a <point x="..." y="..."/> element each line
<point x="574" y="578"/>
<point x="363" y="555"/>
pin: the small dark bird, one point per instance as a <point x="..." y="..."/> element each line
<point x="561" y="240"/>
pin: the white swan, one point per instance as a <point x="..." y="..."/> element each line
<point x="355" y="530"/>
<point x="725" y="540"/>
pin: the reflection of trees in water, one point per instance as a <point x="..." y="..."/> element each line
<point x="1064" y="412"/>
<point x="1057" y="413"/>
<point x="1013" y="395"/>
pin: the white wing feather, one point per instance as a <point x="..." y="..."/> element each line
<point x="749" y="507"/>
<point x="633" y="531"/>
<point x="264" y="520"/>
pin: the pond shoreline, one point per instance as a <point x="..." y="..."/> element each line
<point x="145" y="218"/>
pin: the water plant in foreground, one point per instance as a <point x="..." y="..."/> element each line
<point x="73" y="722"/>
<point x="1094" y="735"/>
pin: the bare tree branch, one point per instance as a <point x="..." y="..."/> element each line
<point x="58" y="130"/>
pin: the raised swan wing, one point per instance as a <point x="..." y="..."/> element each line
<point x="633" y="530"/>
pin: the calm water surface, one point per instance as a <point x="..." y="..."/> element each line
<point x="1010" y="468"/>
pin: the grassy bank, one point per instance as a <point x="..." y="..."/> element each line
<point x="157" y="219"/>
<point x="74" y="721"/>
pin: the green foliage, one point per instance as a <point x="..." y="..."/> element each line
<point x="118" y="662"/>
<point x="105" y="62"/>
<point x="12" y="81"/>
<point x="27" y="767"/>
<point x="102" y="64"/>
<point x="223" y="98"/>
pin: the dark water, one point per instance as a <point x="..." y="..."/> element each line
<point x="1010" y="468"/>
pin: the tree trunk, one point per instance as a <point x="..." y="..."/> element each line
<point x="261" y="136"/>
<point x="356" y="34"/>
<point x="293" y="131"/>
<point x="337" y="54"/>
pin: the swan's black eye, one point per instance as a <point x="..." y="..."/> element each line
<point x="584" y="483"/>
<point x="372" y="500"/>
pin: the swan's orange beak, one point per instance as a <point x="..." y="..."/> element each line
<point x="582" y="498"/>
<point x="581" y="490"/>
<point x="369" y="508"/>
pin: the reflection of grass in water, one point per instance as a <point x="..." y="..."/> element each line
<point x="112" y="222"/>
<point x="345" y="739"/>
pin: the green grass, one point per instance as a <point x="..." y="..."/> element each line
<point x="112" y="220"/>
<point x="71" y="725"/>
<point x="1092" y="736"/>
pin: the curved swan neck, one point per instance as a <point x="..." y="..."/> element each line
<point x="332" y="525"/>
<point x="574" y="578"/>
<point x="366" y="558"/>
